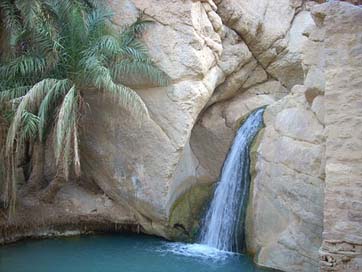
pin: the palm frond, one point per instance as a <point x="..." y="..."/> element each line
<point x="95" y="4"/>
<point x="139" y="26"/>
<point x="30" y="102"/>
<point x="134" y="53"/>
<point x="75" y="17"/>
<point x="11" y="23"/>
<point x="49" y="103"/>
<point x="101" y="78"/>
<point x="76" y="150"/>
<point x="106" y="44"/>
<point x="129" y="100"/>
<point x="30" y="124"/>
<point x="136" y="68"/>
<point x="13" y="93"/>
<point x="67" y="120"/>
<point x="29" y="11"/>
<point x="10" y="20"/>
<point x="42" y="23"/>
<point x="10" y="186"/>
<point x="137" y="45"/>
<point x="96" y="20"/>
<point x="23" y="66"/>
<point x="131" y="33"/>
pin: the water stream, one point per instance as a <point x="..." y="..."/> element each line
<point x="223" y="225"/>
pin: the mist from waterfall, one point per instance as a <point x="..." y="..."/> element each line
<point x="223" y="225"/>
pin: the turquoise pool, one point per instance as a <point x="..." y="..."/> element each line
<point x="118" y="253"/>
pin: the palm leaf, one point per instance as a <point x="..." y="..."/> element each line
<point x="49" y="103"/>
<point x="16" y="92"/>
<point x="10" y="20"/>
<point x="130" y="33"/>
<point x="101" y="78"/>
<point x="96" y="19"/>
<point x="29" y="11"/>
<point x="107" y="45"/>
<point x="30" y="102"/>
<point x="23" y="67"/>
<point x="30" y="124"/>
<point x="66" y="129"/>
<point x="134" y="68"/>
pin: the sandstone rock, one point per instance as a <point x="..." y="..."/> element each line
<point x="342" y="237"/>
<point x="210" y="140"/>
<point x="272" y="87"/>
<point x="184" y="39"/>
<point x="260" y="23"/>
<point x="235" y="54"/>
<point x="237" y="64"/>
<point x="233" y="84"/>
<point x="240" y="106"/>
<point x="257" y="76"/>
<point x="299" y="124"/>
<point x="318" y="108"/>
<point x="212" y="135"/>
<point x="149" y="166"/>
<point x="274" y="33"/>
<point x="313" y="54"/>
<point x="315" y="82"/>
<point x="77" y="209"/>
<point x="284" y="218"/>
<point x="125" y="12"/>
<point x="288" y="66"/>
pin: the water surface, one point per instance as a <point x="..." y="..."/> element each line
<point x="118" y="253"/>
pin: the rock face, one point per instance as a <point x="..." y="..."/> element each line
<point x="285" y="213"/>
<point x="213" y="133"/>
<point x="150" y="165"/>
<point x="272" y="31"/>
<point x="342" y="234"/>
<point x="310" y="148"/>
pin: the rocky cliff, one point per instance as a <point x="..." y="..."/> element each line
<point x="342" y="244"/>
<point x="227" y="58"/>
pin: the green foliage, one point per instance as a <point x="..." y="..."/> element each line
<point x="57" y="49"/>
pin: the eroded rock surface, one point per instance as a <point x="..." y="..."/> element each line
<point x="285" y="213"/>
<point x="342" y="234"/>
<point x="149" y="165"/>
<point x="215" y="67"/>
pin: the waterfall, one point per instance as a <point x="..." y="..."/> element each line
<point x="223" y="225"/>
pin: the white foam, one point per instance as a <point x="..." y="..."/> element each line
<point x="196" y="251"/>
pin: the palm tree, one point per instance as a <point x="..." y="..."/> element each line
<point x="58" y="50"/>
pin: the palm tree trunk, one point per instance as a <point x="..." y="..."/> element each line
<point x="49" y="193"/>
<point x="36" y="180"/>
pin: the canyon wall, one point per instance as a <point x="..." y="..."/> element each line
<point x="342" y="234"/>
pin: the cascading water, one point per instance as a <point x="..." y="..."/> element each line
<point x="223" y="226"/>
